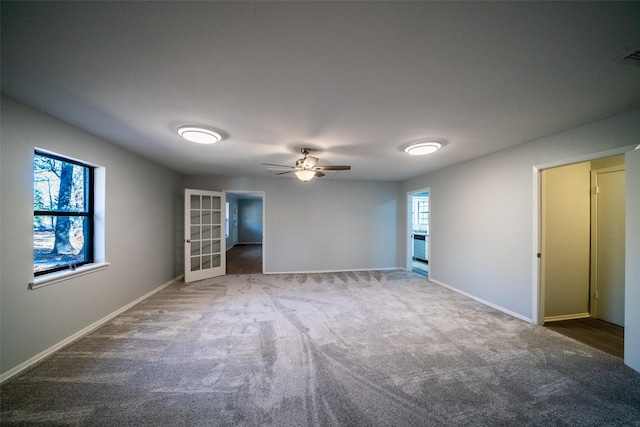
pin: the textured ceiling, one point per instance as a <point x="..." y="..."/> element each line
<point x="357" y="81"/>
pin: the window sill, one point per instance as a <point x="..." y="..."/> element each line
<point x="61" y="276"/>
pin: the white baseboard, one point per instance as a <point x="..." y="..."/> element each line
<point x="566" y="317"/>
<point x="334" y="271"/>
<point x="480" y="300"/>
<point x="82" y="332"/>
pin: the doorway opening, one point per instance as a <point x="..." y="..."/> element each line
<point x="418" y="252"/>
<point x="582" y="251"/>
<point x="245" y="232"/>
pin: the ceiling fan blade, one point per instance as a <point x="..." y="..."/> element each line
<point x="332" y="168"/>
<point x="280" y="166"/>
<point x="307" y="163"/>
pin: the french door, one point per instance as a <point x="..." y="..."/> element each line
<point x="204" y="235"/>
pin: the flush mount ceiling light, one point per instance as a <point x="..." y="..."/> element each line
<point x="199" y="135"/>
<point x="422" y="148"/>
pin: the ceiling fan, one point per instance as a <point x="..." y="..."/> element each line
<point x="306" y="168"/>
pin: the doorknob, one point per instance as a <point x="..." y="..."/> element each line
<point x="188" y="240"/>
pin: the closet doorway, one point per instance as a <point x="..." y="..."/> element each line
<point x="582" y="245"/>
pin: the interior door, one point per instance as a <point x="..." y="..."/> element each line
<point x="565" y="236"/>
<point x="608" y="244"/>
<point x="204" y="236"/>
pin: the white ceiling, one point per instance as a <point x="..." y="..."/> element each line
<point x="355" y="80"/>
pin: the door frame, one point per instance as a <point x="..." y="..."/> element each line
<point x="409" y="229"/>
<point x="264" y="211"/>
<point x="537" y="309"/>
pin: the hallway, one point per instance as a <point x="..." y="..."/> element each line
<point x="244" y="259"/>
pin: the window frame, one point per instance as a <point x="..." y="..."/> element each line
<point x="88" y="214"/>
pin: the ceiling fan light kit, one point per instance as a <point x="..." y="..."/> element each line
<point x="199" y="135"/>
<point x="422" y="148"/>
<point x="305" y="175"/>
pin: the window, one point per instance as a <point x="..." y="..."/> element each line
<point x="420" y="213"/>
<point x="63" y="213"/>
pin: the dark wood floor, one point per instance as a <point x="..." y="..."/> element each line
<point x="244" y="259"/>
<point x="596" y="333"/>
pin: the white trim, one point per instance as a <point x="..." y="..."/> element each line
<point x="409" y="226"/>
<point x="566" y="317"/>
<point x="586" y="157"/>
<point x="61" y="276"/>
<point x="537" y="298"/>
<point x="407" y="231"/>
<point x="480" y="300"/>
<point x="82" y="332"/>
<point x="335" y="271"/>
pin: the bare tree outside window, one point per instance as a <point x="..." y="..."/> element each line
<point x="62" y="222"/>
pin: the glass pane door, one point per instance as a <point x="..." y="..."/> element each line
<point x="204" y="239"/>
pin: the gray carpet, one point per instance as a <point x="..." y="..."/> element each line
<point x="345" y="349"/>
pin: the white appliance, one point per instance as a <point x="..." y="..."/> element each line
<point x="420" y="247"/>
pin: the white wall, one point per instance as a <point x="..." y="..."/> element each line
<point x="632" y="266"/>
<point x="328" y="225"/>
<point x="141" y="245"/>
<point x="483" y="220"/>
<point x="250" y="221"/>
